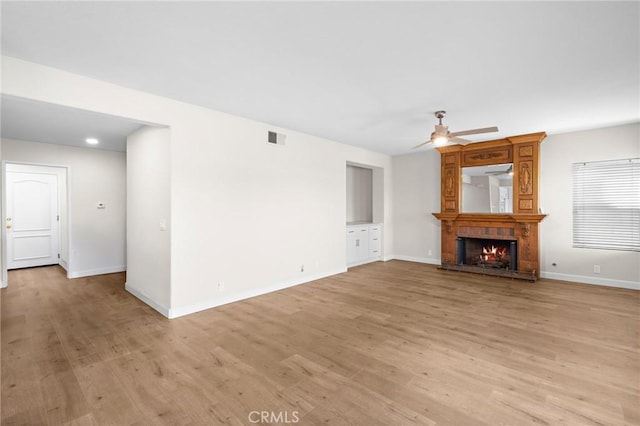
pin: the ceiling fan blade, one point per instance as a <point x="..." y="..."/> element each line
<point x="501" y="172"/>
<point x="475" y="131"/>
<point x="460" y="140"/>
<point x="423" y="143"/>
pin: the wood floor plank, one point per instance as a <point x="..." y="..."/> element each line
<point x="386" y="343"/>
<point x="21" y="397"/>
<point x="63" y="398"/>
<point x="104" y="394"/>
<point x="152" y="399"/>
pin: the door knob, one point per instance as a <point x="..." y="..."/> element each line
<point x="8" y="226"/>
<point x="8" y="219"/>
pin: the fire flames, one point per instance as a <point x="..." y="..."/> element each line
<point x="493" y="253"/>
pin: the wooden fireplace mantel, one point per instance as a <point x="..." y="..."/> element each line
<point x="491" y="217"/>
<point x="521" y="225"/>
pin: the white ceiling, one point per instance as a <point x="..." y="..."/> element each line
<point x="369" y="74"/>
<point x="41" y="122"/>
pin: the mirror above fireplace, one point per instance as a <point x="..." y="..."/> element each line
<point x="487" y="189"/>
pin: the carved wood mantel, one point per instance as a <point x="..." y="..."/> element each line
<point x="521" y="225"/>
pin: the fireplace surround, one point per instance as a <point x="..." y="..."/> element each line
<point x="519" y="227"/>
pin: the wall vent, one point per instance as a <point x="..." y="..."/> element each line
<point x="276" y="138"/>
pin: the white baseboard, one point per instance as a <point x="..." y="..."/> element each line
<point x="550" y="275"/>
<point x="64" y="265"/>
<point x="99" y="271"/>
<point x="429" y="260"/>
<point x="3" y="284"/>
<point x="632" y="285"/>
<point x="364" y="262"/>
<point x="158" y="307"/>
<point x="225" y="299"/>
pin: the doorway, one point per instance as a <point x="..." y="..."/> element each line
<point x="35" y="212"/>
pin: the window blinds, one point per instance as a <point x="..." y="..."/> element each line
<point x="606" y="205"/>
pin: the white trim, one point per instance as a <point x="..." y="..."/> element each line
<point x="225" y="299"/>
<point x="364" y="262"/>
<point x="3" y="284"/>
<point x="99" y="271"/>
<point x="64" y="265"/>
<point x="633" y="285"/>
<point x="429" y="260"/>
<point x="607" y="282"/>
<point x="146" y="299"/>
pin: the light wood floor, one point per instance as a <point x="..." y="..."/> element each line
<point x="384" y="344"/>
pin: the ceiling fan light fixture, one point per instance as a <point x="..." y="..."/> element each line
<point x="442" y="136"/>
<point x="439" y="140"/>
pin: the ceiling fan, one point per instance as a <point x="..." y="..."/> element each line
<point x="509" y="171"/>
<point x="442" y="135"/>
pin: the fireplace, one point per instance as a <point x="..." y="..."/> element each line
<point x="510" y="240"/>
<point x="487" y="253"/>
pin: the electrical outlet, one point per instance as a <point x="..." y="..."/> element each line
<point x="596" y="269"/>
<point x="221" y="286"/>
<point x="301" y="268"/>
<point x="430" y="253"/>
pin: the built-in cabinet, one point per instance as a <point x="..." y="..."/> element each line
<point x="365" y="213"/>
<point x="364" y="243"/>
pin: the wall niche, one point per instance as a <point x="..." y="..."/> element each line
<point x="365" y="194"/>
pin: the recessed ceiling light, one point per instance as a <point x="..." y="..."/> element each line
<point x="91" y="141"/>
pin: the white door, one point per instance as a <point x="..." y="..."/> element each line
<point x="32" y="220"/>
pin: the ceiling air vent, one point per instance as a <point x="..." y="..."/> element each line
<point x="276" y="138"/>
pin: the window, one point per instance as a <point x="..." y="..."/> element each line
<point x="606" y="205"/>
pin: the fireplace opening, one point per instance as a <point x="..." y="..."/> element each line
<point x="487" y="253"/>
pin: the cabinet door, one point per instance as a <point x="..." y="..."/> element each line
<point x="352" y="253"/>
<point x="362" y="243"/>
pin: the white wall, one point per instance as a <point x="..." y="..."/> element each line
<point x="476" y="197"/>
<point x="381" y="198"/>
<point x="97" y="243"/>
<point x="248" y="216"/>
<point x="245" y="214"/>
<point x="148" y="207"/>
<point x="494" y="194"/>
<point x="416" y="195"/>
<point x="557" y="153"/>
<point x="481" y="195"/>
